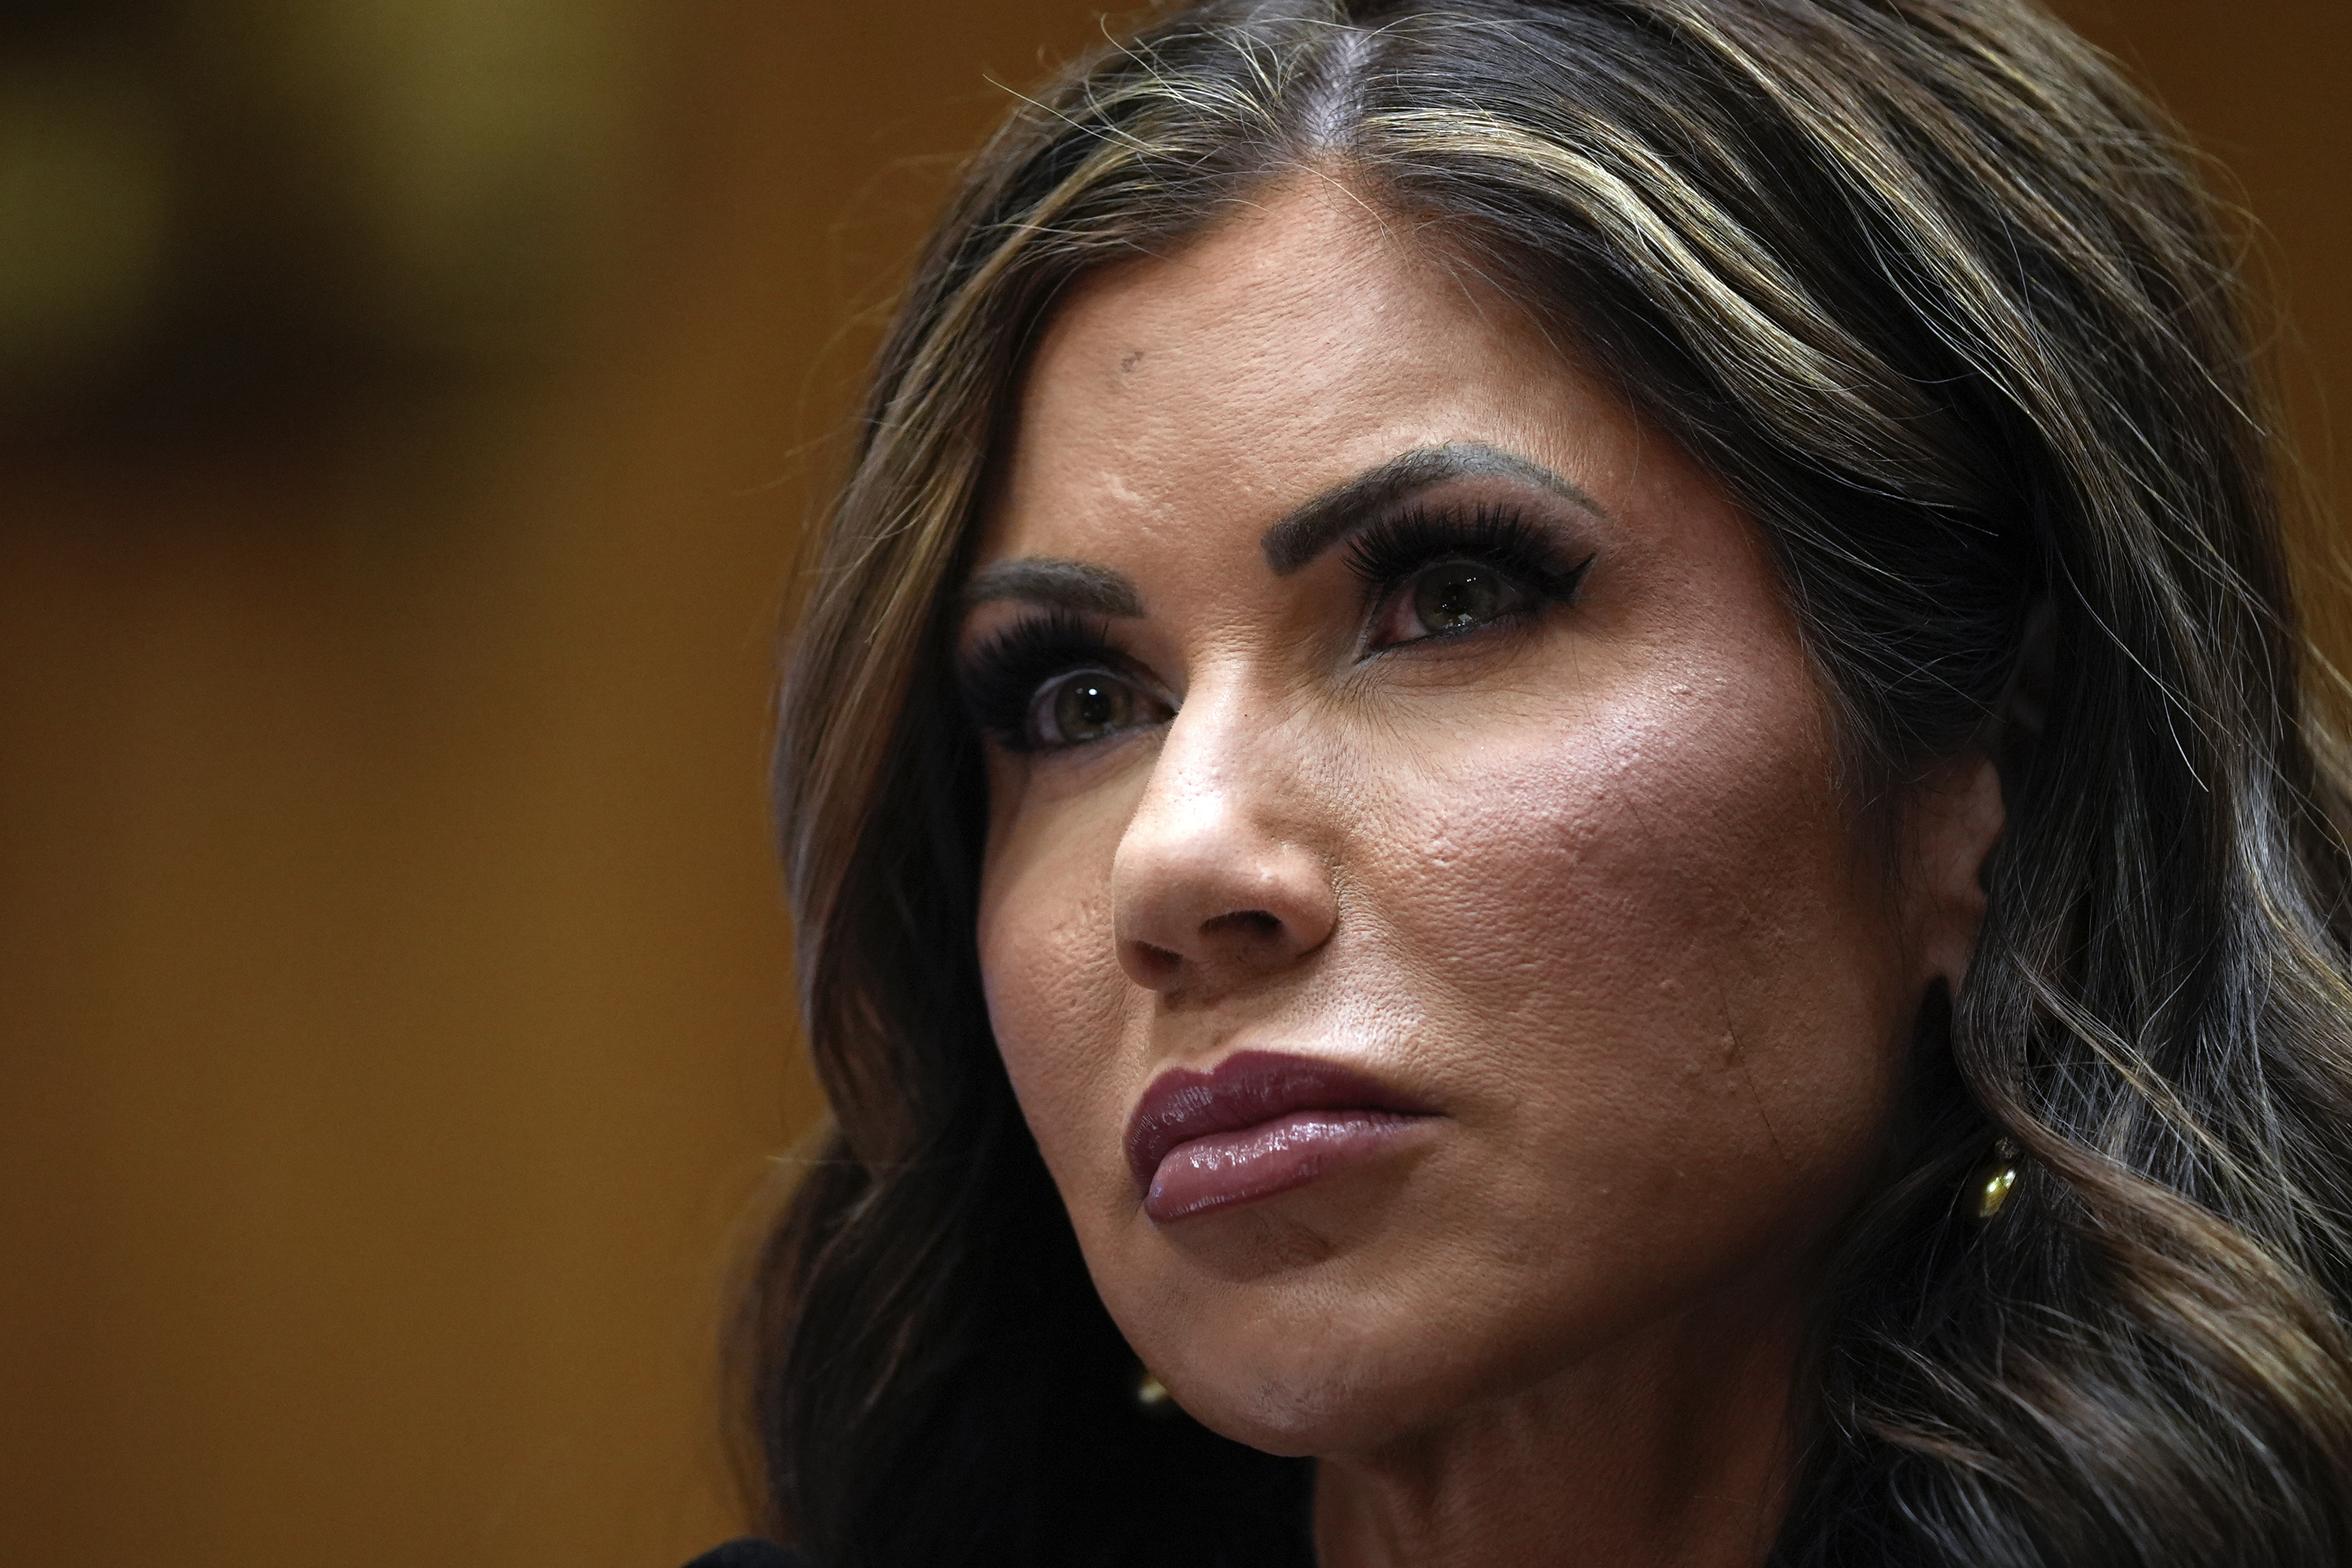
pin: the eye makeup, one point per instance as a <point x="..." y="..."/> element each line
<point x="1338" y="512"/>
<point x="1525" y="559"/>
<point x="1004" y="679"/>
<point x="1492" y="562"/>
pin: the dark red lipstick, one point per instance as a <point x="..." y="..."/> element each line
<point x="1257" y="1124"/>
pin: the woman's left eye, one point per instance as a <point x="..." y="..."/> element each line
<point x="1456" y="595"/>
<point x="1444" y="600"/>
<point x="1443" y="575"/>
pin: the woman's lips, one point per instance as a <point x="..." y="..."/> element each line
<point x="1259" y="1123"/>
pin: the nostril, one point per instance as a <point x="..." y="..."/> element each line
<point x="1155" y="966"/>
<point x="1244" y="923"/>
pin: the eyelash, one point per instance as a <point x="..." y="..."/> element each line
<point x="1386" y="555"/>
<point x="1001" y="681"/>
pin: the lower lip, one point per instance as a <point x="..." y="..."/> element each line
<point x="1275" y="1157"/>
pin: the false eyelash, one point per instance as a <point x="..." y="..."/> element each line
<point x="999" y="679"/>
<point x="1384" y="554"/>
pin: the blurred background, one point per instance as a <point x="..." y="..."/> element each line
<point x="408" y="413"/>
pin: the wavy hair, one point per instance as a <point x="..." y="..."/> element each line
<point x="1938" y="298"/>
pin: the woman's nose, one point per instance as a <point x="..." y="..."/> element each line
<point x="1212" y="886"/>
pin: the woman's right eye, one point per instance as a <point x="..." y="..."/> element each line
<point x="1086" y="706"/>
<point x="1052" y="683"/>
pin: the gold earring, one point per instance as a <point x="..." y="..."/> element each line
<point x="1993" y="1183"/>
<point x="1151" y="1394"/>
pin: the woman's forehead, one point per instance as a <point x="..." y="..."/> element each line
<point x="1292" y="350"/>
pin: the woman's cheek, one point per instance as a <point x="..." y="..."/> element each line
<point x="1056" y="997"/>
<point x="1641" y="905"/>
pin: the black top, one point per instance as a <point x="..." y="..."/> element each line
<point x="749" y="1553"/>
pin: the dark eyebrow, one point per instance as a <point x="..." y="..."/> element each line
<point x="1309" y="530"/>
<point x="1047" y="580"/>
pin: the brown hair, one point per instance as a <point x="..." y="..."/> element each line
<point x="1934" y="294"/>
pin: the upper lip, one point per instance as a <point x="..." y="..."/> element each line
<point x="1245" y="1088"/>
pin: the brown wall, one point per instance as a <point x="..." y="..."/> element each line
<point x="393" y="994"/>
<point x="2260" y="86"/>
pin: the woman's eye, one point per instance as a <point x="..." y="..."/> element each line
<point x="1085" y="705"/>
<point x="1049" y="682"/>
<point x="1459" y="595"/>
<point x="1450" y="597"/>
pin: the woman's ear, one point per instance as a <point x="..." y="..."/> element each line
<point x="1957" y="813"/>
<point x="1955" y="816"/>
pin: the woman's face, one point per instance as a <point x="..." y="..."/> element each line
<point x="1420" y="921"/>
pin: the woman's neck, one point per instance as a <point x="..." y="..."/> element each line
<point x="1670" y="1449"/>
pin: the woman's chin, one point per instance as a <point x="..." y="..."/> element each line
<point x="1286" y="1378"/>
<point x="1297" y="1409"/>
<point x="1302" y="1326"/>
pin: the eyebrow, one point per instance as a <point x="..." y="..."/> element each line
<point x="1048" y="579"/>
<point x="1314" y="527"/>
<point x="1306" y="532"/>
